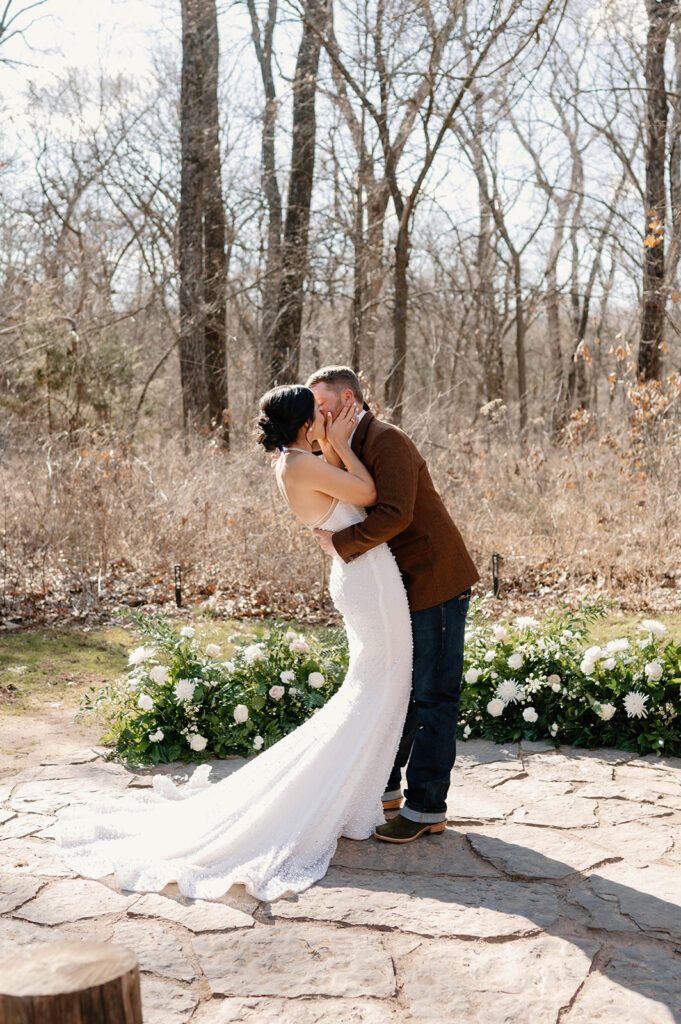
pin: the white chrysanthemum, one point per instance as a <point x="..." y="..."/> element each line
<point x="253" y="653"/>
<point x="617" y="646"/>
<point x="287" y="677"/>
<point x="472" y="675"/>
<point x="213" y="651"/>
<point x="145" y="702"/>
<point x="184" y="689"/>
<point x="240" y="714"/>
<point x="315" y="680"/>
<point x="290" y="637"/>
<point x="593" y="654"/>
<point x="197" y="742"/>
<point x="653" y="671"/>
<point x="499" y="634"/>
<point x="489" y="656"/>
<point x="516" y="660"/>
<point x="554" y="729"/>
<point x="653" y="626"/>
<point x="187" y="631"/>
<point x="509" y="691"/>
<point x="635" y="704"/>
<point x="466" y="731"/>
<point x="530" y="715"/>
<point x="495" y="707"/>
<point x="299" y="645"/>
<point x="608" y="664"/>
<point x="159" y="674"/>
<point x="587" y="667"/>
<point x="140" y="655"/>
<point x="157" y="736"/>
<point x="276" y="692"/>
<point x="258" y="742"/>
<point x="605" y="711"/>
<point x="526" y="622"/>
<point x="229" y="666"/>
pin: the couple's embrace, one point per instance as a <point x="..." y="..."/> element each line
<point x="401" y="579"/>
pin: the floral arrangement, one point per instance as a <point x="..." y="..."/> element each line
<point x="179" y="701"/>
<point x="526" y="680"/>
<point x="541" y="681"/>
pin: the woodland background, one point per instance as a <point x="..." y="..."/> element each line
<point x="476" y="204"/>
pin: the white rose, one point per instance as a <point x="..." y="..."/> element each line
<point x="553" y="679"/>
<point x="290" y="637"/>
<point x="158" y="674"/>
<point x="315" y="680"/>
<point x="500" y="634"/>
<point x="466" y="731"/>
<point x="653" y="671"/>
<point x="299" y="645"/>
<point x="258" y="742"/>
<point x="184" y="689"/>
<point x="293" y="689"/>
<point x="240" y="713"/>
<point x="254" y="653"/>
<point x="593" y="654"/>
<point x="276" y="692"/>
<point x="516" y="660"/>
<point x="587" y="667"/>
<point x="145" y="702"/>
<point x="229" y="666"/>
<point x="187" y="631"/>
<point x="495" y="707"/>
<point x="157" y="736"/>
<point x="197" y="742"/>
<point x="530" y="715"/>
<point x="605" y="712"/>
<point x="287" y="677"/>
<point x="556" y="687"/>
<point x="554" y="729"/>
<point x="213" y="651"/>
<point x="608" y="664"/>
<point x="472" y="675"/>
<point x="489" y="656"/>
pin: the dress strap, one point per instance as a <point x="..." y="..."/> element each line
<point x="292" y="449"/>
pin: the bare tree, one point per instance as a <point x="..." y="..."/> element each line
<point x="12" y="26"/>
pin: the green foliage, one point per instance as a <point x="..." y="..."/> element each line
<point x="178" y="701"/>
<point x="607" y="696"/>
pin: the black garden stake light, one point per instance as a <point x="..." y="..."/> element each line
<point x="178" y="586"/>
<point x="496" y="559"/>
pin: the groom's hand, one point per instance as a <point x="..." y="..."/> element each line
<point x="323" y="538"/>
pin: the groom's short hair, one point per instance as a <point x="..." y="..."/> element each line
<point x="339" y="378"/>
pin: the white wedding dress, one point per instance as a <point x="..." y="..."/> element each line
<point x="273" y="825"/>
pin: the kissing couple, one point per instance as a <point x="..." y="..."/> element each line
<point x="401" y="578"/>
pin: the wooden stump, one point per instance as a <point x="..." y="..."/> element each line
<point x="70" y="983"/>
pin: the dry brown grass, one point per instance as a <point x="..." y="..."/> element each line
<point x="86" y="530"/>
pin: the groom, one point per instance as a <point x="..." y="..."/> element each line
<point x="438" y="574"/>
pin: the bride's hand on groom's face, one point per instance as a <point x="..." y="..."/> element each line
<point x="338" y="431"/>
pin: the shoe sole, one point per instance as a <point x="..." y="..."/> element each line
<point x="392" y="805"/>
<point x="436" y="827"/>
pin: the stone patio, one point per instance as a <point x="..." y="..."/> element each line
<point x="553" y="895"/>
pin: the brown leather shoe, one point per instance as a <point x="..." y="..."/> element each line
<point x="401" y="830"/>
<point x="392" y="805"/>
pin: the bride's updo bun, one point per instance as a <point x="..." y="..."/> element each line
<point x="283" y="411"/>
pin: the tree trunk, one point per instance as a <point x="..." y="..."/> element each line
<point x="286" y="335"/>
<point x="215" y="272"/>
<point x="359" y="246"/>
<point x="70" y="983"/>
<point x="652" y="319"/>
<point x="194" y="378"/>
<point x="394" y="385"/>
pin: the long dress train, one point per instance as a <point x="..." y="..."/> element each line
<point x="273" y="825"/>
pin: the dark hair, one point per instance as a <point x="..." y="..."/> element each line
<point x="284" y="410"/>
<point x="338" y="377"/>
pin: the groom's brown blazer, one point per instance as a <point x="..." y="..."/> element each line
<point x="410" y="515"/>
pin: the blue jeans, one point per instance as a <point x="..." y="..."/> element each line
<point x="428" y="744"/>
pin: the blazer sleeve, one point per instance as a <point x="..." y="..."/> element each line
<point x="395" y="470"/>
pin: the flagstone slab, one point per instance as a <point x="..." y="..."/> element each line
<point x="44" y="796"/>
<point x="6" y="816"/>
<point x="78" y="756"/>
<point x="620" y="789"/>
<point x="649" y="897"/>
<point x="614" y="812"/>
<point x="608" y="755"/>
<point x="660" y="782"/>
<point x="560" y="812"/>
<point x="530" y="747"/>
<point x="73" y="900"/>
<point x="31" y="856"/>
<point x="474" y="802"/>
<point x="637" y="844"/>
<point x="484" y="751"/>
<point x="95" y="772"/>
<point x="158" y="948"/>
<point x="198" y="916"/>
<point x="535" y="852"/>
<point x="557" y="768"/>
<point x="523" y="982"/>
<point x="17" y="889"/>
<point x="636" y="983"/>
<point x="449" y="855"/>
<point x="165" y="1002"/>
<point x="531" y="791"/>
<point x="433" y="906"/>
<point x="25" y="825"/>
<point x="491" y="775"/>
<point x="14" y="933"/>
<point x="296" y="960"/>
<point x="297" y="1011"/>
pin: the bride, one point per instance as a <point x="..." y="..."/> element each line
<point x="273" y="825"/>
